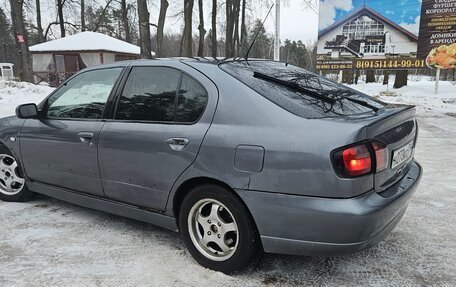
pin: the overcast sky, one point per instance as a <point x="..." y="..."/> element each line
<point x="298" y="22"/>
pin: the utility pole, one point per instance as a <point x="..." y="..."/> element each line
<point x="277" y="32"/>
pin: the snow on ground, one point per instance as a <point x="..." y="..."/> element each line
<point x="47" y="242"/>
<point x="14" y="93"/>
<point x="419" y="93"/>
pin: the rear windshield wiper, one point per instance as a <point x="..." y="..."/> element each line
<point x="294" y="86"/>
<point x="344" y="94"/>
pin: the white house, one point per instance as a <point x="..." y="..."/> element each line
<point x="56" y="60"/>
<point x="364" y="33"/>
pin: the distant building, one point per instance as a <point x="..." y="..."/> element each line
<point x="57" y="60"/>
<point x="364" y="33"/>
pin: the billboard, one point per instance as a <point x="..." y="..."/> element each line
<point x="384" y="34"/>
<point x="437" y="37"/>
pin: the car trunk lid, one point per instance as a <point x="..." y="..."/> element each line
<point x="395" y="126"/>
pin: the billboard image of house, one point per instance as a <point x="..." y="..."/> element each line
<point x="368" y="34"/>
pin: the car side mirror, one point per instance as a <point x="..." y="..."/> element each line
<point x="27" y="111"/>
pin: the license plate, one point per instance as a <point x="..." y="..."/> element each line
<point x="402" y="155"/>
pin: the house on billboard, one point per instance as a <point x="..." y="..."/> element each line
<point x="365" y="33"/>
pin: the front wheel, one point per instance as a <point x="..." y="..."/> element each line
<point x="12" y="182"/>
<point x="218" y="230"/>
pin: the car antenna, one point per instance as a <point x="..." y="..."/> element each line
<point x="258" y="33"/>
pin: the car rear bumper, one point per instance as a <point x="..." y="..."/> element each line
<point x="301" y="225"/>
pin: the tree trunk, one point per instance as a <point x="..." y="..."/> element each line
<point x="347" y="77"/>
<point x="61" y="20"/>
<point x="144" y="30"/>
<point x="161" y="25"/>
<point x="83" y="23"/>
<point x="214" y="29"/>
<point x="356" y="77"/>
<point x="244" y="43"/>
<point x="370" y="76"/>
<point x="236" y="46"/>
<point x="126" y="24"/>
<point x="202" y="31"/>
<point x="187" y="45"/>
<point x="17" y="15"/>
<point x="229" y="28"/>
<point x="401" y="79"/>
<point x="385" y="77"/>
<point x="38" y="22"/>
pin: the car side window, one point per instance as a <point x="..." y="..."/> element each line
<point x="191" y="101"/>
<point x="84" y="96"/>
<point x="149" y="95"/>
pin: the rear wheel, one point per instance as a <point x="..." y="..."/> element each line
<point x="218" y="230"/>
<point x="12" y="182"/>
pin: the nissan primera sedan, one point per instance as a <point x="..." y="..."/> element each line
<point x="240" y="156"/>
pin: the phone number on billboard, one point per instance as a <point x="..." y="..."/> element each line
<point x="390" y="64"/>
<point x="334" y="66"/>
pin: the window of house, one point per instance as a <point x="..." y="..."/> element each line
<point x="362" y="26"/>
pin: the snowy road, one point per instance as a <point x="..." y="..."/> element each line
<point x="47" y="242"/>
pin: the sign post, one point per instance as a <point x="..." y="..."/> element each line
<point x="437" y="80"/>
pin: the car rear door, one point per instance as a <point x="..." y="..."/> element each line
<point x="160" y="120"/>
<point x="60" y="148"/>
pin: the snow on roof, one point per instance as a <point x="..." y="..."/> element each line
<point x="87" y="41"/>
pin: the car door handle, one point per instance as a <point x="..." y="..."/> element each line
<point x="85" y="137"/>
<point x="177" y="144"/>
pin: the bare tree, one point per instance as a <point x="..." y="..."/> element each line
<point x="186" y="45"/>
<point x="38" y="21"/>
<point x="20" y="34"/>
<point x="214" y="29"/>
<point x="232" y="27"/>
<point x="83" y="25"/>
<point x="60" y="4"/>
<point x="202" y="31"/>
<point x="125" y="23"/>
<point x="144" y="30"/>
<point x="244" y="43"/>
<point x="160" y="27"/>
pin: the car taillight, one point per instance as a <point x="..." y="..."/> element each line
<point x="357" y="160"/>
<point x="353" y="161"/>
<point x="360" y="159"/>
<point x="381" y="156"/>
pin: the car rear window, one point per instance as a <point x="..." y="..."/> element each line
<point x="297" y="101"/>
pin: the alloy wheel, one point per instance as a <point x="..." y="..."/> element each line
<point x="213" y="229"/>
<point x="11" y="182"/>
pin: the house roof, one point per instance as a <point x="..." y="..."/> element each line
<point x="372" y="13"/>
<point x="86" y="41"/>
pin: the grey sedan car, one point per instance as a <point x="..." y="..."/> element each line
<point x="241" y="156"/>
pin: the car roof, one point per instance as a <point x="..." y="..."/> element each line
<point x="205" y="60"/>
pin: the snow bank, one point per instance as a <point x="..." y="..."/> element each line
<point x="419" y="93"/>
<point x="13" y="94"/>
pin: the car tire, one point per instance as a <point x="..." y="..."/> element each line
<point x="218" y="230"/>
<point x="12" y="182"/>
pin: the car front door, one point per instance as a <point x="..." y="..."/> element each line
<point x="60" y="148"/>
<point x="160" y="121"/>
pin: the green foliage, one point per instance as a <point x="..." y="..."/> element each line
<point x="295" y="53"/>
<point x="263" y="45"/>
